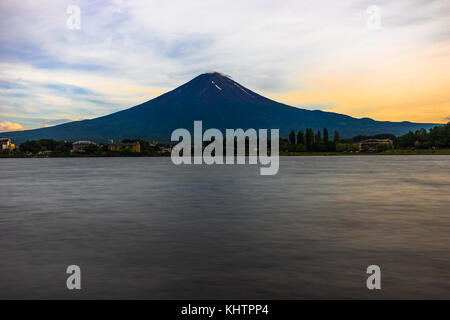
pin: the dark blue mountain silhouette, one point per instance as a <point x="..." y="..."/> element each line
<point x="220" y="103"/>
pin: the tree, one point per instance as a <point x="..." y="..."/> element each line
<point x="407" y="140"/>
<point x="36" y="146"/>
<point x="300" y="148"/>
<point x="346" y="147"/>
<point x="383" y="147"/>
<point x="309" y="138"/>
<point x="30" y="146"/>
<point x="62" y="147"/>
<point x="300" y="137"/>
<point x="438" y="136"/>
<point x="92" y="149"/>
<point x="292" y="137"/>
<point x="336" y="137"/>
<point x="325" y="135"/>
<point x="318" y="138"/>
<point x="341" y="147"/>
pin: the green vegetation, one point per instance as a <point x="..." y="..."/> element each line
<point x="44" y="146"/>
<point x="346" y="147"/>
<point x="94" y="150"/>
<point x="309" y="141"/>
<point x="437" y="138"/>
<point x="300" y="137"/>
<point x="336" y="136"/>
<point x="292" y="137"/>
<point x="384" y="147"/>
<point x="434" y="141"/>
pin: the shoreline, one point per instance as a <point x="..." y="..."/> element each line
<point x="282" y="154"/>
<point x="384" y="153"/>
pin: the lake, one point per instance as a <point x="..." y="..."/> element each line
<point x="145" y="228"/>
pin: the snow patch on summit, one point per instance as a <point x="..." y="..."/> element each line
<point x="241" y="88"/>
<point x="216" y="85"/>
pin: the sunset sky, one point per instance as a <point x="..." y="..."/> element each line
<point x="318" y="54"/>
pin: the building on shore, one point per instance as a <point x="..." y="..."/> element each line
<point x="80" y="146"/>
<point x="165" y="150"/>
<point x="6" y="144"/>
<point x="131" y="147"/>
<point x="372" y="144"/>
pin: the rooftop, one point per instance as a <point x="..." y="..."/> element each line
<point x="375" y="140"/>
<point x="84" y="142"/>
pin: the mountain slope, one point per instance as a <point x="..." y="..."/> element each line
<point x="220" y="103"/>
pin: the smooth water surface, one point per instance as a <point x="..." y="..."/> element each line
<point x="145" y="228"/>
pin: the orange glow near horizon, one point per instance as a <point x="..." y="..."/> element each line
<point x="414" y="88"/>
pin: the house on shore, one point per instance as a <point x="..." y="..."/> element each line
<point x="6" y="144"/>
<point x="165" y="150"/>
<point x="372" y="144"/>
<point x="131" y="147"/>
<point x="80" y="146"/>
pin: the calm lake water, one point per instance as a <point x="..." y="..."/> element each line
<point x="145" y="228"/>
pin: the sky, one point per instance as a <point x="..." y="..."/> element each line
<point x="386" y="60"/>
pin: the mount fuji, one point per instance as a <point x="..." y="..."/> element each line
<point x="220" y="103"/>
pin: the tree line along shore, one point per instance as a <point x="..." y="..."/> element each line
<point x="433" y="141"/>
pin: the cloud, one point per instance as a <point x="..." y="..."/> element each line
<point x="269" y="46"/>
<point x="7" y="126"/>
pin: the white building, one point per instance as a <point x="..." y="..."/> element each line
<point x="80" y="146"/>
<point x="5" y="144"/>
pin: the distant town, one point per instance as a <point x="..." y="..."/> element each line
<point x="50" y="147"/>
<point x="433" y="141"/>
